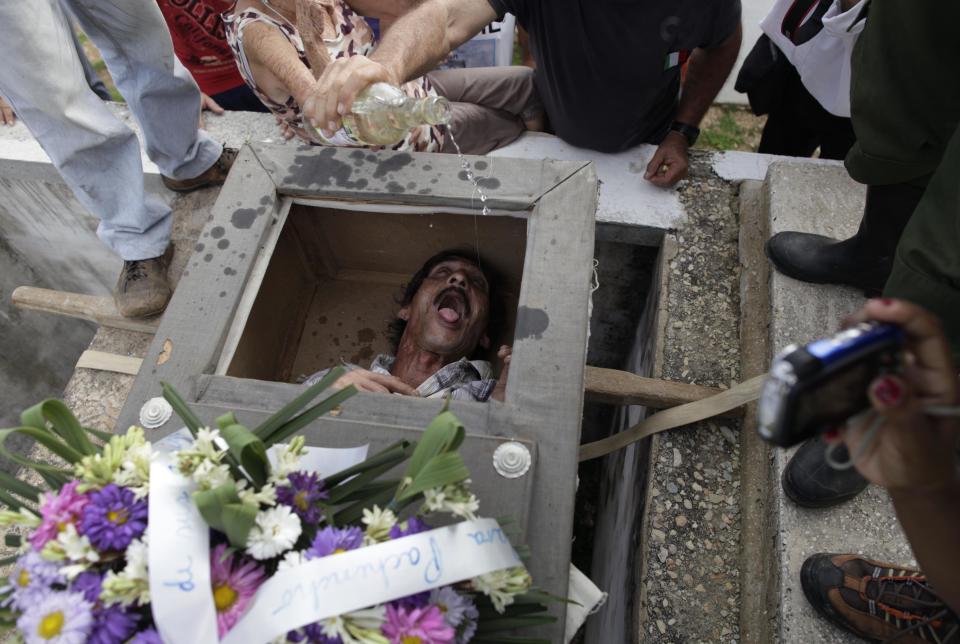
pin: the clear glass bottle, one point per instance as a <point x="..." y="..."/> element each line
<point x="383" y="115"/>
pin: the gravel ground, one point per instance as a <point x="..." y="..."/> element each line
<point x="690" y="585"/>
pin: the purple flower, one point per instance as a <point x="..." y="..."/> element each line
<point x="422" y="625"/>
<point x="458" y="611"/>
<point x="57" y="511"/>
<point x="331" y="541"/>
<point x="113" y="518"/>
<point x="149" y="636"/>
<point x="235" y="580"/>
<point x="312" y="633"/>
<point x="112" y="624"/>
<point x="59" y="617"/>
<point x="303" y="495"/>
<point x="88" y="584"/>
<point x="31" y="579"/>
<point x="413" y="525"/>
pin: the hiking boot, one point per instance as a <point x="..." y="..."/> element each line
<point x="863" y="261"/>
<point x="215" y="175"/>
<point x="877" y="601"/>
<point x="143" y="290"/>
<point x="809" y="481"/>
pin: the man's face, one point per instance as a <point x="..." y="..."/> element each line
<point x="450" y="311"/>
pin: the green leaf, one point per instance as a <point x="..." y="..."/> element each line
<point x="395" y="453"/>
<point x="352" y="513"/>
<point x="374" y="488"/>
<point x="46" y="438"/>
<point x="444" y="433"/>
<point x="342" y="491"/>
<point x="190" y="419"/>
<point x="292" y="427"/>
<point x="247" y="449"/>
<point x="440" y="470"/>
<point x="272" y="424"/>
<point x="211" y="504"/>
<point x="511" y="623"/>
<point x="21" y="488"/>
<point x="238" y="519"/>
<point x="14" y="503"/>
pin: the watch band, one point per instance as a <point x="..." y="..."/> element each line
<point x="688" y="131"/>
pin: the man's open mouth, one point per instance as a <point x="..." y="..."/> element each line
<point x="452" y="304"/>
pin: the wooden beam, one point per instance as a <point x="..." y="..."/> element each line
<point x="101" y="310"/>
<point x="104" y="361"/>
<point x="615" y="387"/>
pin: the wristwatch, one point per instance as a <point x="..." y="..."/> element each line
<point x="688" y="131"/>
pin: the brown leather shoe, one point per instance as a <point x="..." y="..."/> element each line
<point x="215" y="175"/>
<point x="877" y="601"/>
<point x="143" y="290"/>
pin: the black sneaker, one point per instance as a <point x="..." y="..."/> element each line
<point x="808" y="479"/>
<point x="143" y="290"/>
<point x="878" y="601"/>
<point x="215" y="175"/>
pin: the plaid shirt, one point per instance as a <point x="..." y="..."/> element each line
<point x="460" y="380"/>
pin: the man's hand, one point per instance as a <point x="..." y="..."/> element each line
<point x="670" y="162"/>
<point x="505" y="353"/>
<point x="912" y="452"/>
<point x="207" y="103"/>
<point x="365" y="380"/>
<point x="333" y="94"/>
<point x="7" y="117"/>
<point x="286" y="131"/>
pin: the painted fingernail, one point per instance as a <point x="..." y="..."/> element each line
<point x="831" y="434"/>
<point x="887" y="301"/>
<point x="889" y="392"/>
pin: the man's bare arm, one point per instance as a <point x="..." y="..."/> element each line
<point x="414" y="44"/>
<point x="422" y="38"/>
<point x="269" y="51"/>
<point x="706" y="73"/>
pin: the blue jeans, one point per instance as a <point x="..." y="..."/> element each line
<point x="97" y="155"/>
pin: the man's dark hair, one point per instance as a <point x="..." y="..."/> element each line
<point x="495" y="319"/>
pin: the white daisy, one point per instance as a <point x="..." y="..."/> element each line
<point x="275" y="531"/>
<point x="292" y="559"/>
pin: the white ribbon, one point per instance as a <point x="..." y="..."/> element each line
<point x="349" y="581"/>
<point x="179" y="559"/>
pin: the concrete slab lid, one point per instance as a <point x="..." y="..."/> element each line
<point x="625" y="196"/>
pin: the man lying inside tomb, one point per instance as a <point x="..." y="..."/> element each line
<point x="449" y="310"/>
<point x="282" y="47"/>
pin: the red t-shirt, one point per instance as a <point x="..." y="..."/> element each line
<point x="198" y="40"/>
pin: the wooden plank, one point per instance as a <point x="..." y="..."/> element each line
<point x="741" y="394"/>
<point x="624" y="388"/>
<point x="103" y="361"/>
<point x="101" y="310"/>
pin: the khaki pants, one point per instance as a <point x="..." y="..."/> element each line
<point x="489" y="105"/>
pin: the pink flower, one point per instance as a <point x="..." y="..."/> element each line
<point x="416" y="626"/>
<point x="235" y="580"/>
<point x="57" y="511"/>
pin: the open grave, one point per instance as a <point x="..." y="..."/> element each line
<point x="686" y="531"/>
